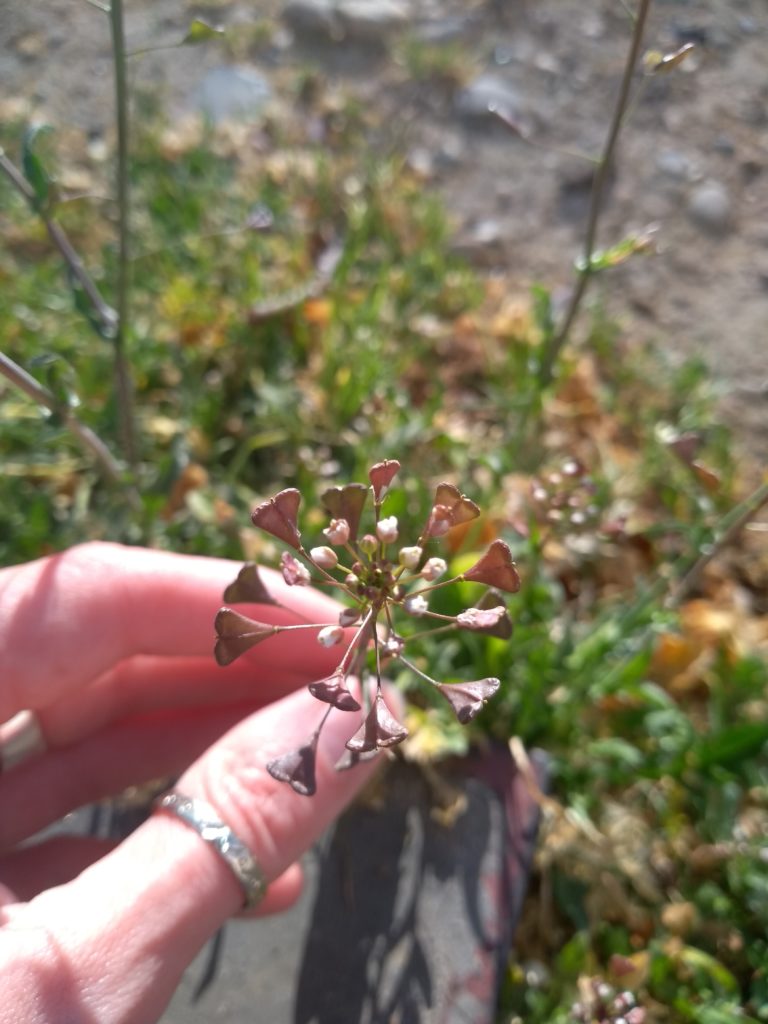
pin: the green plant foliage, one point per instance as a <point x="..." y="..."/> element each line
<point x="659" y="781"/>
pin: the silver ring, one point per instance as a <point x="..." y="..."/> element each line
<point x="202" y="818"/>
<point x="21" y="738"/>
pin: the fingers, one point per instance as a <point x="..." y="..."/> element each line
<point x="144" y="684"/>
<point x="69" y="618"/>
<point x="144" y="910"/>
<point x="129" y="753"/>
<point x="28" y="872"/>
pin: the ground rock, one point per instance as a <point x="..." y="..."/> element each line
<point x="710" y="208"/>
<point x="363" y="21"/>
<point x="311" y="17"/>
<point x="231" y="92"/>
<point x="674" y="164"/>
<point x="371" y="20"/>
<point x="486" y="94"/>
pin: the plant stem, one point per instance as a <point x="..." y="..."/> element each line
<point x="554" y="345"/>
<point x="90" y="441"/>
<point x="730" y="528"/>
<point x="106" y="314"/>
<point x="123" y="380"/>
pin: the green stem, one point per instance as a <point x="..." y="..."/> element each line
<point x="554" y="345"/>
<point x="123" y="380"/>
<point x="108" y="317"/>
<point x="730" y="527"/>
<point x="90" y="441"/>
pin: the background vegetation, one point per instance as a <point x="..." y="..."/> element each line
<point x="295" y="316"/>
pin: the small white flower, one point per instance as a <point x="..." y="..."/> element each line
<point x="433" y="569"/>
<point x="386" y="530"/>
<point x="325" y="558"/>
<point x="393" y="646"/>
<point x="416" y="605"/>
<point x="410" y="557"/>
<point x="294" y="573"/>
<point x="329" y="636"/>
<point x="338" y="531"/>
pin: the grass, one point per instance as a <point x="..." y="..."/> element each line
<point x="651" y="870"/>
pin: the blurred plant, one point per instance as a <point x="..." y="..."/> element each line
<point x="379" y="588"/>
<point x="600" y="1003"/>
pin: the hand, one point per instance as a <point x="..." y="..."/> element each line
<point x="111" y="648"/>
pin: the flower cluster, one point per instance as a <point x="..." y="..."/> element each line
<point x="381" y="579"/>
<point x="601" y="1004"/>
<point x="564" y="499"/>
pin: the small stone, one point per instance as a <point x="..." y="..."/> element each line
<point x="710" y="208"/>
<point x="481" y="99"/>
<point x="677" y="165"/>
<point x="228" y="93"/>
<point x="445" y="29"/>
<point x="370" y="21"/>
<point x="312" y="17"/>
<point x="482" y="243"/>
<point x="723" y="144"/>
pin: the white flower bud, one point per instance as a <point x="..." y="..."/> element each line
<point x="439" y="527"/>
<point x="325" y="558"/>
<point x="338" y="531"/>
<point x="410" y="557"/>
<point x="349" y="616"/>
<point x="329" y="636"/>
<point x="416" y="605"/>
<point x="433" y="569"/>
<point x="393" y="646"/>
<point x="369" y="544"/>
<point x="386" y="530"/>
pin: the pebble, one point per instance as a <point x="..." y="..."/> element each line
<point x="677" y="165"/>
<point x="370" y="20"/>
<point x="234" y="92"/>
<point x="362" y="21"/>
<point x="311" y="17"/>
<point x="710" y="207"/>
<point x="447" y="29"/>
<point x="488" y="93"/>
<point x="481" y="244"/>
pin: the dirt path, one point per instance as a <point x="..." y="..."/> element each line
<point x="694" y="160"/>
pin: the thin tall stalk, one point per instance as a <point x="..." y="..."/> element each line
<point x="555" y="343"/>
<point x="124" y="384"/>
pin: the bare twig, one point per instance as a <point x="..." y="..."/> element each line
<point x="87" y="438"/>
<point x="730" y="528"/>
<point x="311" y="289"/>
<point x="555" y="344"/>
<point x="105" y="313"/>
<point x="122" y="366"/>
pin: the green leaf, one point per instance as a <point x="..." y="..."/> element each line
<point x="697" y="960"/>
<point x="603" y="258"/>
<point x="732" y="745"/>
<point x="613" y="748"/>
<point x="34" y="169"/>
<point x="200" y="31"/>
<point x="84" y="306"/>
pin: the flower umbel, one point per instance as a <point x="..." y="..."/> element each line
<point x="381" y="580"/>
